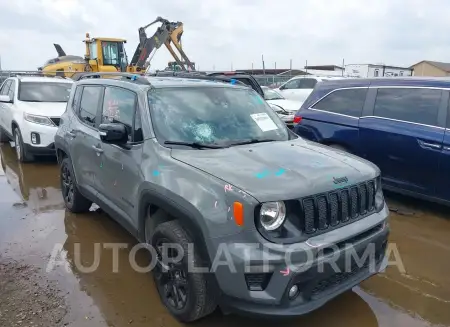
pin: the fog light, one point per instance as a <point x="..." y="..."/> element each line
<point x="35" y="139"/>
<point x="293" y="291"/>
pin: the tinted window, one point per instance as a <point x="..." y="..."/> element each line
<point x="44" y="92"/>
<point x="89" y="104"/>
<point x="5" y="88"/>
<point x="118" y="107"/>
<point x="221" y="115"/>
<point x="307" y="83"/>
<point x="348" y="102"/>
<point x="413" y="105"/>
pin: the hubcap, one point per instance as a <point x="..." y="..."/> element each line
<point x="67" y="184"/>
<point x="171" y="277"/>
<point x="18" y="146"/>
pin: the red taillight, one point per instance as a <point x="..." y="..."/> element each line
<point x="297" y="119"/>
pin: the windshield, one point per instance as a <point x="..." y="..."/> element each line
<point x="272" y="94"/>
<point x="44" y="92"/>
<point x="213" y="115"/>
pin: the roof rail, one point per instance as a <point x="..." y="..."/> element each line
<point x="138" y="78"/>
<point x="197" y="75"/>
<point x="11" y="73"/>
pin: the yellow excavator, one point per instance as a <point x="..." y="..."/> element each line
<point x="108" y="54"/>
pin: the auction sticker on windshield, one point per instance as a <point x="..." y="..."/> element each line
<point x="265" y="123"/>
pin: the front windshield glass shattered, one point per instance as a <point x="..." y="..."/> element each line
<point x="213" y="115"/>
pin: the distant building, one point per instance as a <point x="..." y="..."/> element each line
<point x="376" y="70"/>
<point x="333" y="68"/>
<point x="431" y="68"/>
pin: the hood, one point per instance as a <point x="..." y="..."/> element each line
<point x="280" y="170"/>
<point x="49" y="109"/>
<point x="289" y="105"/>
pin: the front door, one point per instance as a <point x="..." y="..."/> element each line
<point x="120" y="176"/>
<point x="83" y="137"/>
<point x="404" y="136"/>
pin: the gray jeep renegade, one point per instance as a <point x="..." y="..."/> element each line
<point x="207" y="165"/>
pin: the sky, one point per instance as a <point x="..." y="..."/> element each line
<point x="234" y="34"/>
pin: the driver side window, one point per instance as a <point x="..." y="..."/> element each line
<point x="118" y="107"/>
<point x="110" y="53"/>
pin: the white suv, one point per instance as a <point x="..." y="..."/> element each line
<point x="30" y="110"/>
<point x="299" y="87"/>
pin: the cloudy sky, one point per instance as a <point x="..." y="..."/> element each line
<point x="223" y="33"/>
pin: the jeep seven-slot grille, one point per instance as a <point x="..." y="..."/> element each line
<point x="326" y="210"/>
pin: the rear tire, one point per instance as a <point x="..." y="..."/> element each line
<point x="195" y="290"/>
<point x="22" y="154"/>
<point x="75" y="201"/>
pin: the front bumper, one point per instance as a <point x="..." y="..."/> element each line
<point x="317" y="286"/>
<point x="319" y="274"/>
<point x="40" y="150"/>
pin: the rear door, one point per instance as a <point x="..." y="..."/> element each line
<point x="442" y="189"/>
<point x="305" y="88"/>
<point x="404" y="134"/>
<point x="10" y="107"/>
<point x="5" y="107"/>
<point x="83" y="137"/>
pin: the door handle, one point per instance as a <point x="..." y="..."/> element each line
<point x="97" y="149"/>
<point x="429" y="145"/>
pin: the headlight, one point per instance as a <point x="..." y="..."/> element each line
<point x="276" y="108"/>
<point x="272" y="215"/>
<point x="379" y="198"/>
<point x="42" y="120"/>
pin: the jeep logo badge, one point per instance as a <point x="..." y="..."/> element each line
<point x="340" y="180"/>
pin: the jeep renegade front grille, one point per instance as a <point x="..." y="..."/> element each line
<point x="326" y="210"/>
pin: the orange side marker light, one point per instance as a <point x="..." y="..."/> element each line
<point x="238" y="213"/>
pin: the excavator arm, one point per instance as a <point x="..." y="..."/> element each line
<point x="167" y="33"/>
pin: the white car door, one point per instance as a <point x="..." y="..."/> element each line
<point x="305" y="88"/>
<point x="289" y="88"/>
<point x="4" y="107"/>
<point x="10" y="107"/>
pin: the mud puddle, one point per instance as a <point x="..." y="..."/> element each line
<point x="34" y="223"/>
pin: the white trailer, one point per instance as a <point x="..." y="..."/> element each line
<point x="376" y="70"/>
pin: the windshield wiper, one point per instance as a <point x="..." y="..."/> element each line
<point x="195" y="145"/>
<point x="252" y="141"/>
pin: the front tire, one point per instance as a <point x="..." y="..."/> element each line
<point x="187" y="295"/>
<point x="22" y="154"/>
<point x="75" y="201"/>
<point x="3" y="136"/>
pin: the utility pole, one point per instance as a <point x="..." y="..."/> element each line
<point x="343" y="66"/>
<point x="264" y="67"/>
<point x="252" y="68"/>
<point x="275" y="65"/>
<point x="290" y="67"/>
<point x="306" y="66"/>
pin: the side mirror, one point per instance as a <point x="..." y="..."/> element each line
<point x="282" y="87"/>
<point x="5" y="98"/>
<point x="114" y="133"/>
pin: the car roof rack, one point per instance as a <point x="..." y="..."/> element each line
<point x="197" y="75"/>
<point x="19" y="74"/>
<point x="138" y="78"/>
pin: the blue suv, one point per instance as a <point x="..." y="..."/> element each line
<point x="400" y="124"/>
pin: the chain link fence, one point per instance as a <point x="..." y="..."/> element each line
<point x="272" y="81"/>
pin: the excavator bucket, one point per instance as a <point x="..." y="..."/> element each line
<point x="59" y="49"/>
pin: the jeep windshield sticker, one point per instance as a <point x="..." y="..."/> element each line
<point x="264" y="122"/>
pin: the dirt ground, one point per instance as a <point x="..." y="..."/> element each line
<point x="34" y="224"/>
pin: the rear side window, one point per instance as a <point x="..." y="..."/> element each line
<point x="307" y="83"/>
<point x="348" y="102"/>
<point x="412" y="105"/>
<point x="90" y="99"/>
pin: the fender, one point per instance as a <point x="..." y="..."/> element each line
<point x="177" y="207"/>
